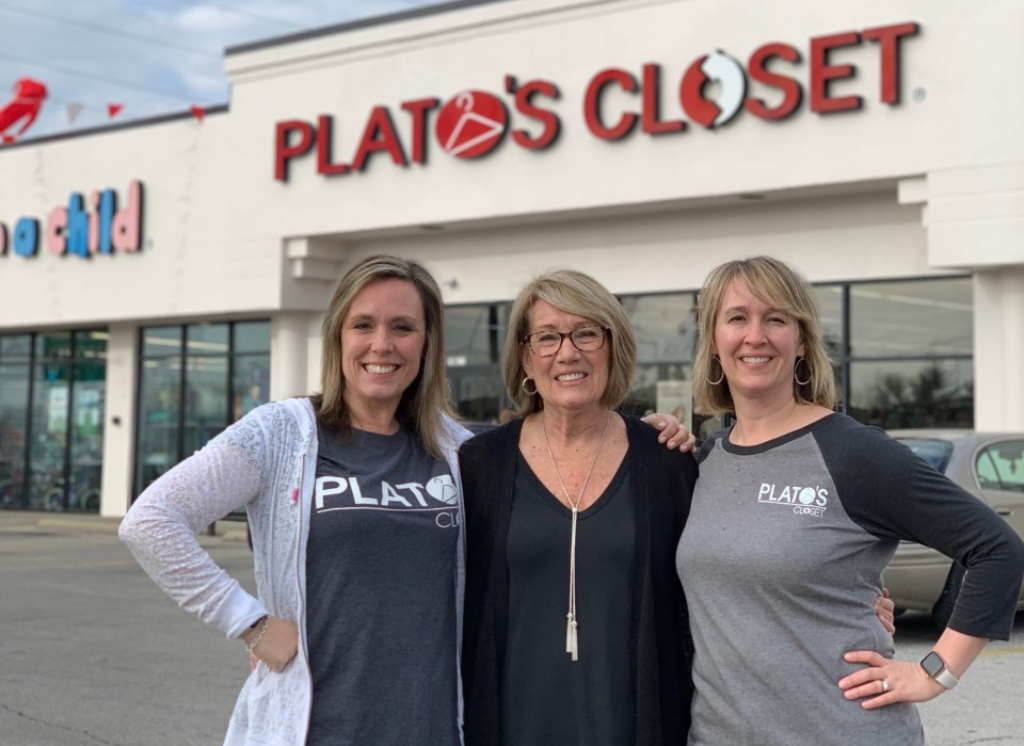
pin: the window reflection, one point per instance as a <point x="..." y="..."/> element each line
<point x="915" y="393"/>
<point x="666" y="335"/>
<point x="664" y="326"/>
<point x="473" y="340"/>
<point x="15" y="359"/>
<point x="195" y="380"/>
<point x="830" y="310"/>
<point x="908" y="319"/>
<point x="901" y="352"/>
<point x="51" y="452"/>
<point x="474" y="335"/>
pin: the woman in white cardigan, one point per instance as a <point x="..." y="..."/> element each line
<point x="355" y="506"/>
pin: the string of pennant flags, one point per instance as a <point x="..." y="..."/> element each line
<point x="74" y="108"/>
<point x="29" y="95"/>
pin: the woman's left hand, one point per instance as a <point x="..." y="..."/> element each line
<point x="885" y="610"/>
<point x="885" y="682"/>
<point x="672" y="432"/>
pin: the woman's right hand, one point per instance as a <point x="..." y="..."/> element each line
<point x="279" y="644"/>
<point x="672" y="431"/>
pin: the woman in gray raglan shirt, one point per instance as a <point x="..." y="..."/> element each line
<point x="796" y="513"/>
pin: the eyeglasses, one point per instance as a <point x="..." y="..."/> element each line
<point x="548" y="342"/>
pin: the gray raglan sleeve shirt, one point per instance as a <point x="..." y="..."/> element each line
<point x="892" y="494"/>
<point x="781" y="560"/>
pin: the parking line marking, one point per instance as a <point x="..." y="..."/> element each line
<point x="1002" y="651"/>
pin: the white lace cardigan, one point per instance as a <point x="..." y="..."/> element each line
<point x="266" y="462"/>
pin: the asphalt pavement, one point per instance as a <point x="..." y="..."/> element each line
<point x="93" y="654"/>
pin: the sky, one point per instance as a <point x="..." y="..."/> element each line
<point x="152" y="57"/>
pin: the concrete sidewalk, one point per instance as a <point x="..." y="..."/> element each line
<point x="46" y="522"/>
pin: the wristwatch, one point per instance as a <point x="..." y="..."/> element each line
<point x="935" y="667"/>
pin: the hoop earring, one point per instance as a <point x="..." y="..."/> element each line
<point x="715" y="359"/>
<point x="526" y="390"/>
<point x="796" y="376"/>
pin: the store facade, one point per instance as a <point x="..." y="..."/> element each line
<point x="872" y="147"/>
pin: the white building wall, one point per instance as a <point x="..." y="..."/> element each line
<point x="190" y="266"/>
<point x="946" y="99"/>
<point x="931" y="186"/>
<point x="999" y="349"/>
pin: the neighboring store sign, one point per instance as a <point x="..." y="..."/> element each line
<point x="76" y="230"/>
<point x="474" y="122"/>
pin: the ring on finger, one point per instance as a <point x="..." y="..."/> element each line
<point x="885" y="685"/>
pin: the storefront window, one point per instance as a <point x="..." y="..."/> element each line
<point x="926" y="318"/>
<point x="15" y="357"/>
<point x="250" y="376"/>
<point x="902" y="350"/>
<point x="473" y="340"/>
<point x="666" y="335"/>
<point x="207" y="411"/>
<point x="51" y="420"/>
<point x="49" y="424"/>
<point x="913" y="393"/>
<point x="195" y="380"/>
<point x="87" y="407"/>
<point x="901" y="353"/>
<point x="831" y="302"/>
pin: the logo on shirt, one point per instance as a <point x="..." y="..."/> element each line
<point x="803" y="500"/>
<point x="443" y="488"/>
<point x="438" y="495"/>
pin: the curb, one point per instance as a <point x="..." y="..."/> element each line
<point x="227" y="531"/>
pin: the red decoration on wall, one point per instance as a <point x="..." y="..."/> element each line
<point x="28" y="99"/>
<point x="113" y="110"/>
<point x="198" y="112"/>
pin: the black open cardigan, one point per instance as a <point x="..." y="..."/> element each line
<point x="662" y="483"/>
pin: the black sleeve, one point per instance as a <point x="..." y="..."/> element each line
<point x="487" y="467"/>
<point x="891" y="493"/>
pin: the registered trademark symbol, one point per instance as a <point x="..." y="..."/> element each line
<point x="920" y="94"/>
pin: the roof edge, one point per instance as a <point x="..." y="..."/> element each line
<point x="340" y="28"/>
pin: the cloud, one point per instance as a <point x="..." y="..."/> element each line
<point x="211" y="21"/>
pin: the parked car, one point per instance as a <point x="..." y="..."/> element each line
<point x="988" y="465"/>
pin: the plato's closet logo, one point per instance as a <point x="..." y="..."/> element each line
<point x="770" y="82"/>
<point x="810" y="501"/>
<point x="471" y="124"/>
<point x="438" y="496"/>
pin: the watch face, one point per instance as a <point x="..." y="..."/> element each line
<point x="932" y="664"/>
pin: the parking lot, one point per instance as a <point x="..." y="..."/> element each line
<point x="92" y="654"/>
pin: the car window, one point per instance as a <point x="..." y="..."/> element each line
<point x="934" y="452"/>
<point x="1000" y="466"/>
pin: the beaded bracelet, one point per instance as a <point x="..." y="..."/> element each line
<point x="264" y="623"/>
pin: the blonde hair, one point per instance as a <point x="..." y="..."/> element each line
<point x="776" y="284"/>
<point x="425" y="403"/>
<point x="579" y="294"/>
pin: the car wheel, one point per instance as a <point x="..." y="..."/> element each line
<point x="943" y="608"/>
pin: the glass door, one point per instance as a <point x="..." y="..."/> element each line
<point x="51" y="376"/>
<point x="65" y="453"/>
<point x="15" y="375"/>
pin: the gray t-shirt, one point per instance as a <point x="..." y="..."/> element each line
<point x="380" y="578"/>
<point x="781" y="561"/>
